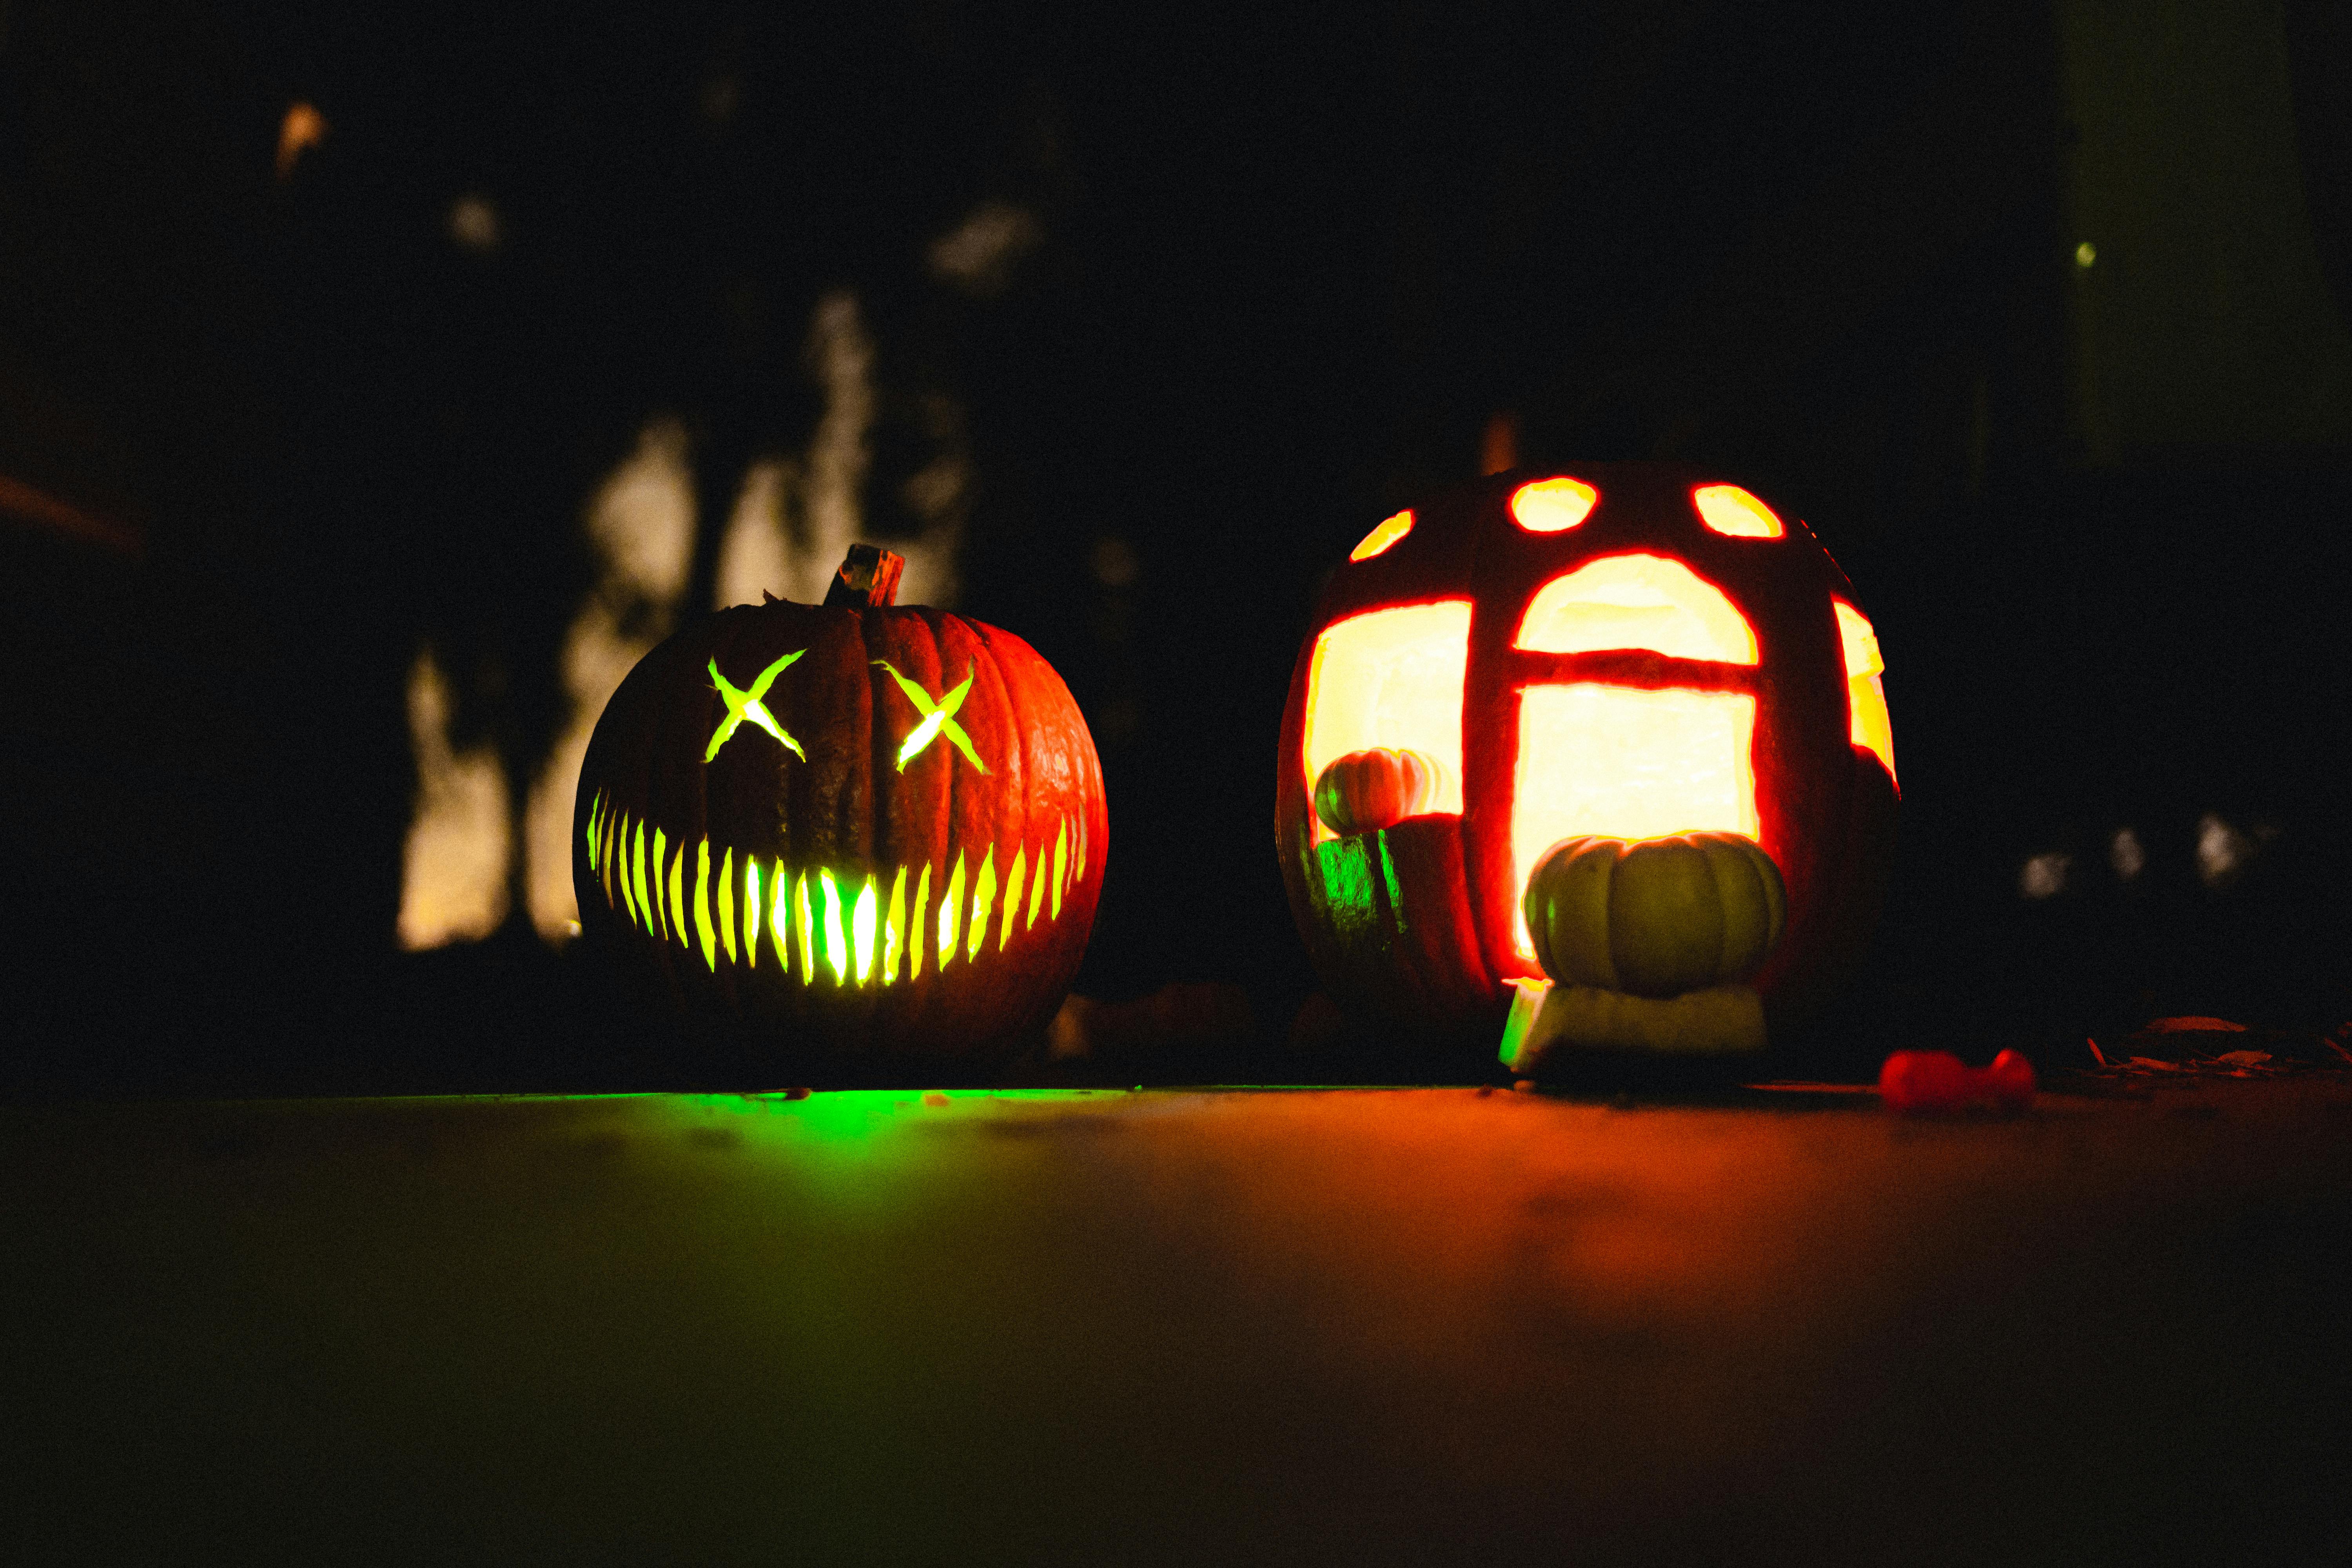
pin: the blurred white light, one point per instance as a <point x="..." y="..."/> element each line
<point x="755" y="556"/>
<point x="640" y="524"/>
<point x="796" y="517"/>
<point x="453" y="883"/>
<point x="2127" y="854"/>
<point x="2044" y="875"/>
<point x="977" y="256"/>
<point x="474" y="222"/>
<point x="2221" y="850"/>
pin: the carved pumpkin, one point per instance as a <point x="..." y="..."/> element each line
<point x="875" y="833"/>
<point x="1628" y="650"/>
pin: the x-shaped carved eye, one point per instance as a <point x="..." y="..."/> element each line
<point x="743" y="705"/>
<point x="937" y="717"/>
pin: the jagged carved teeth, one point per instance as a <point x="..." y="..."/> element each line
<point x="860" y="927"/>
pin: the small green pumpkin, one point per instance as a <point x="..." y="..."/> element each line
<point x="1656" y="918"/>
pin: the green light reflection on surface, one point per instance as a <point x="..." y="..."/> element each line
<point x="1526" y="1001"/>
<point x="1388" y="876"/>
<point x="1346" y="880"/>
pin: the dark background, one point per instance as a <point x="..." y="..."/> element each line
<point x="262" y="436"/>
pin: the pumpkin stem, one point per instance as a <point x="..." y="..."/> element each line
<point x="868" y="579"/>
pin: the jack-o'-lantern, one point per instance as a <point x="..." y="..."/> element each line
<point x="874" y="834"/>
<point x="1627" y="650"/>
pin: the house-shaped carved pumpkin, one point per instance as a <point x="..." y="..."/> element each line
<point x="1628" y="650"/>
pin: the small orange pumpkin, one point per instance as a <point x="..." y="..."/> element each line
<point x="1376" y="787"/>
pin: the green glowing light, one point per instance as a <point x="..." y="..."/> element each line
<point x="727" y="903"/>
<point x="661" y="865"/>
<point x="861" y="931"/>
<point x="779" y="916"/>
<point x="950" y="912"/>
<point x="894" y="926"/>
<point x="750" y="912"/>
<point x="1012" y="897"/>
<point x="983" y="893"/>
<point x="643" y="911"/>
<point x="628" y="897"/>
<point x="612" y="819"/>
<point x="938" y="718"/>
<point x="595" y="807"/>
<point x="1346" y="877"/>
<point x="743" y="705"/>
<point x="1037" y="891"/>
<point x="807" y="932"/>
<point x="1061" y="864"/>
<point x="915" y="927"/>
<point x="1388" y="876"/>
<point x="1526" y="1001"/>
<point x="836" y="950"/>
<point x="678" y="895"/>
<point x="702" y="908"/>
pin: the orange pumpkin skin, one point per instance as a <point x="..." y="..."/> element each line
<point x="820" y="1009"/>
<point x="1412" y="926"/>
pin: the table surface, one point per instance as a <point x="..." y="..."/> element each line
<point x="1385" y="1325"/>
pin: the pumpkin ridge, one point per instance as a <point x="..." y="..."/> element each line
<point x="1023" y="735"/>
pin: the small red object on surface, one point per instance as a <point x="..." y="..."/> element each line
<point x="1938" y="1080"/>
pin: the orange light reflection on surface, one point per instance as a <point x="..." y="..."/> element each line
<point x="1866" y="691"/>
<point x="1728" y="509"/>
<point x="1391" y="678"/>
<point x="1637" y="602"/>
<point x="1627" y="763"/>
<point x="1385" y="533"/>
<point x="1552" y="506"/>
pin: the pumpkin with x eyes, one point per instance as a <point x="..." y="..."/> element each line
<point x="1626" y="650"/>
<point x="873" y="832"/>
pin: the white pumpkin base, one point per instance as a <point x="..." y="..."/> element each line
<point x="1720" y="1021"/>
